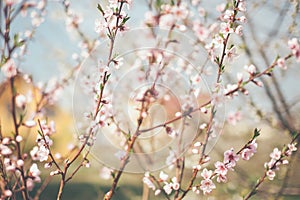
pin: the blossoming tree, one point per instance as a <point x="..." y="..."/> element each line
<point x="150" y="99"/>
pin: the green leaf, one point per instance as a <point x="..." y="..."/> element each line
<point x="16" y="38"/>
<point x="158" y="4"/>
<point x="40" y="133"/>
<point x="125" y="20"/>
<point x="294" y="134"/>
<point x="113" y="174"/>
<point x="256" y="133"/>
<point x="217" y="60"/>
<point x="222" y="68"/>
<point x="17" y="41"/>
<point x="100" y="8"/>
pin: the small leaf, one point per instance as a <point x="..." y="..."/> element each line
<point x="256" y="133"/>
<point x="40" y="133"/>
<point x="16" y="38"/>
<point x="107" y="77"/>
<point x="100" y="8"/>
<point x="125" y="20"/>
<point x="294" y="134"/>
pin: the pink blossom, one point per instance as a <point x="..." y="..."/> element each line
<point x="150" y="19"/>
<point x="234" y="117"/>
<point x="157" y="192"/>
<point x="217" y="99"/>
<point x="242" y="19"/>
<point x="251" y="69"/>
<point x="230" y="158"/>
<point x="167" y="21"/>
<point x="180" y="11"/>
<point x="239" y="30"/>
<point x="271" y="164"/>
<point x="120" y="155"/>
<point x="200" y="30"/>
<point x="230" y="88"/>
<point x="34" y="173"/>
<point x="285" y="162"/>
<point x="221" y="178"/>
<point x="5" y="150"/>
<point x="217" y="41"/>
<point x="6" y="140"/>
<point x="163" y="176"/>
<point x="20" y="163"/>
<point x="43" y="153"/>
<point x="226" y="28"/>
<point x="108" y="13"/>
<point x="168" y="188"/>
<point x="176" y="186"/>
<point x="30" y="184"/>
<point x="201" y="11"/>
<point x="48" y="129"/>
<point x="207" y="186"/>
<point x="113" y="3"/>
<point x="9" y="69"/>
<point x="9" y="165"/>
<point x="206" y="174"/>
<point x="19" y="138"/>
<point x="221" y="168"/>
<point x="42" y="141"/>
<point x="36" y="19"/>
<point x="248" y="152"/>
<point x="291" y="147"/>
<point x="105" y="173"/>
<point x="228" y="15"/>
<point x="29" y="123"/>
<point x="271" y="174"/>
<point x="21" y="101"/>
<point x="253" y="146"/>
<point x="221" y="7"/>
<point x="100" y="26"/>
<point x="148" y="182"/>
<point x="281" y="63"/>
<point x="293" y="44"/>
<point x="39" y="153"/>
<point x="231" y="54"/>
<point x="242" y="6"/>
<point x="276" y="154"/>
<point x="295" y="47"/>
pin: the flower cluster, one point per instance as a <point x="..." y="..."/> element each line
<point x="278" y="157"/>
<point x="221" y="168"/>
<point x="41" y="151"/>
<point x="9" y="69"/>
<point x="229" y="24"/>
<point x="114" y="18"/>
<point x="170" y="16"/>
<point x="169" y="184"/>
<point x="33" y="176"/>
